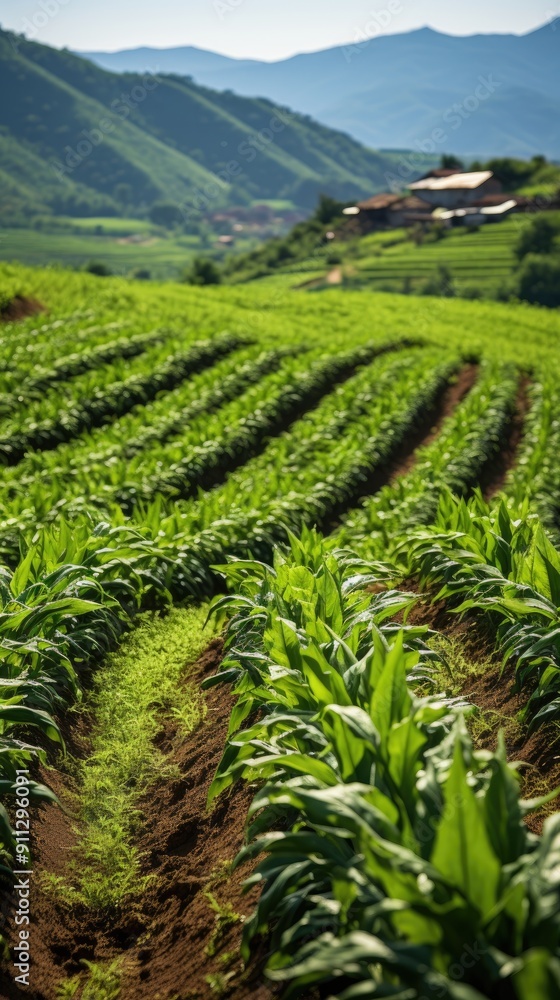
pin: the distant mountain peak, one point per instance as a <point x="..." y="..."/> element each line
<point x="398" y="90"/>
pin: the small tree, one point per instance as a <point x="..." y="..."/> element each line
<point x="539" y="281"/>
<point x="536" y="238"/>
<point x="165" y="214"/>
<point x="98" y="268"/>
<point x="328" y="209"/>
<point x="441" y="284"/>
<point x="451" y="162"/>
<point x="203" y="271"/>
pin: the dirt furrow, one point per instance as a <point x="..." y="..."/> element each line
<point x="405" y="456"/>
<point x="494" y="474"/>
<point x="476" y="673"/>
<point x="181" y="937"/>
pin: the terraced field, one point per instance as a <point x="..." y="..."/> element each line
<point x="478" y="262"/>
<point x="365" y="492"/>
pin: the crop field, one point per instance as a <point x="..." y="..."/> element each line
<point x="477" y="260"/>
<point x="280" y="643"/>
<point x="122" y="246"/>
<point x="478" y="263"/>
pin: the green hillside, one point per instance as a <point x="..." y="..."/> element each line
<point x="491" y="261"/>
<point x="77" y="140"/>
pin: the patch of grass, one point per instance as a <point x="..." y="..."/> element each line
<point x="226" y="917"/>
<point x="220" y="873"/>
<point x="218" y="982"/>
<point x="138" y="686"/>
<point x="485" y="725"/>
<point x="101" y="983"/>
<point x="454" y="670"/>
<point x="454" y="666"/>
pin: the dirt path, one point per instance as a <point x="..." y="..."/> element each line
<point x="169" y="940"/>
<point x="334" y="277"/>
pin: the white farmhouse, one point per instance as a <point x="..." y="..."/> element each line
<point x="455" y="189"/>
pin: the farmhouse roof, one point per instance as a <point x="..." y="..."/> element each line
<point x="379" y="202"/>
<point x="410" y="204"/>
<point x="454" y="182"/>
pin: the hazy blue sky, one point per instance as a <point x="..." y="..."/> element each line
<point x="262" y="29"/>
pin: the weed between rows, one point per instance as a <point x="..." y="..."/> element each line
<point x="100" y="983"/>
<point x="140" y="685"/>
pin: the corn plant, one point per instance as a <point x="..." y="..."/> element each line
<point x="501" y="562"/>
<point x="390" y="844"/>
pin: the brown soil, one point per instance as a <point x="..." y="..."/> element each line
<point x="492" y="692"/>
<point x="20" y="308"/>
<point x="493" y="477"/>
<point x="163" y="937"/>
<point x="452" y="396"/>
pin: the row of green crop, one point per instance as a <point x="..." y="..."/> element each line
<point x="179" y="453"/>
<point x="98" y="461"/>
<point x="394" y="860"/>
<point x="95" y="399"/>
<point x="498" y="560"/>
<point x="496" y="557"/>
<point x="24" y="348"/>
<point x="537" y="472"/>
<point x="303" y="477"/>
<point x="18" y="389"/>
<point x="157" y="419"/>
<point x="240" y="430"/>
<point x="469" y="440"/>
<point x="203" y="447"/>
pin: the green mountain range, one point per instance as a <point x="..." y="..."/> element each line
<point x="76" y="139"/>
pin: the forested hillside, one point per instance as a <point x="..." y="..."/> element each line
<point x="76" y="139"/>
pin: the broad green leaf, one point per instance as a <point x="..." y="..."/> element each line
<point x="475" y="872"/>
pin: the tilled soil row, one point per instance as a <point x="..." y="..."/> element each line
<point x="491" y="691"/>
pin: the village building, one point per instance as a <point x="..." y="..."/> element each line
<point x="448" y="196"/>
<point x="457" y="190"/>
<point x="389" y="211"/>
